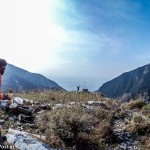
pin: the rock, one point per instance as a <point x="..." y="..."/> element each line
<point x="23" y="141"/>
<point x="90" y="102"/>
<point x="25" y="111"/>
<point x="71" y="103"/>
<point x="20" y="128"/>
<point x="123" y="146"/>
<point x="56" y="106"/>
<point x="13" y="105"/>
<point x="31" y="125"/>
<point x="124" y="137"/>
<point x="2" y="122"/>
<point x="13" y="118"/>
<point x="45" y="107"/>
<point x="4" y="104"/>
<point x="96" y="103"/>
<point x="18" y="100"/>
<point x="26" y="119"/>
<point x="89" y="107"/>
<point x="126" y="97"/>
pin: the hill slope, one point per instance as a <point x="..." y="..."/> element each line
<point x="19" y="79"/>
<point x="134" y="81"/>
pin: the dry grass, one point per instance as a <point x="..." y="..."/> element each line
<point x="77" y="127"/>
<point x="136" y="104"/>
<point x="146" y="110"/>
<point x="86" y="129"/>
<point x="145" y="141"/>
<point x="139" y="126"/>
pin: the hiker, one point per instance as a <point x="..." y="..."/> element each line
<point x="3" y="64"/>
<point x="78" y="88"/>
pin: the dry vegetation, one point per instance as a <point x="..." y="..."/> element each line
<point x="77" y="127"/>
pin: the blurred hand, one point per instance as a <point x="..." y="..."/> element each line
<point x="6" y="97"/>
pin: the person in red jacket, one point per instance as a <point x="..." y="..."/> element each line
<point x="3" y="65"/>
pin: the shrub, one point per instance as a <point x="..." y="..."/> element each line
<point x="136" y="104"/>
<point x="146" y="110"/>
<point x="139" y="127"/>
<point x="77" y="127"/>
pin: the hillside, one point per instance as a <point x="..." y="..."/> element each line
<point x="19" y="79"/>
<point x="135" y="81"/>
<point x="76" y="121"/>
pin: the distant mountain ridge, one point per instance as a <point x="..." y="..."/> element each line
<point x="16" y="78"/>
<point x="135" y="81"/>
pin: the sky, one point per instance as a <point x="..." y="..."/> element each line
<point x="76" y="42"/>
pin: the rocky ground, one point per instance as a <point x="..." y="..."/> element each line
<point x="81" y="121"/>
<point x="124" y="138"/>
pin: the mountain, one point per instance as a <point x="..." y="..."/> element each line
<point x="19" y="79"/>
<point x="135" y="82"/>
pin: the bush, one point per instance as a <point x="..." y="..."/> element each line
<point x="136" y="104"/>
<point x="146" y="110"/>
<point x="139" y="127"/>
<point x="77" y="127"/>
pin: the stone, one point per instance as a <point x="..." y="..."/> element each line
<point x="26" y="119"/>
<point x="18" y="100"/>
<point x="2" y="122"/>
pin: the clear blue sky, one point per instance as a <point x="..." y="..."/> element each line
<point x="76" y="42"/>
